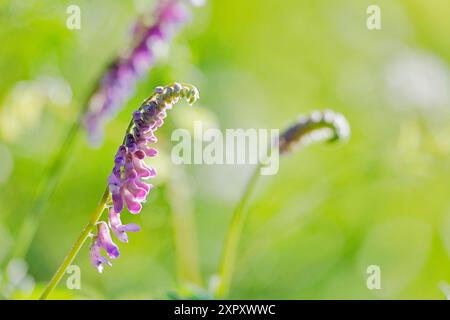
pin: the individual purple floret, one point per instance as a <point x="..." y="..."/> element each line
<point x="119" y="81"/>
<point x="120" y="230"/>
<point x="126" y="181"/>
<point x="103" y="240"/>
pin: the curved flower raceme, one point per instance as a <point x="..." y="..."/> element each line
<point x="318" y="126"/>
<point x="126" y="182"/>
<point x="118" y="83"/>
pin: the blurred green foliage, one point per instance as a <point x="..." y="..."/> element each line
<point x="314" y="227"/>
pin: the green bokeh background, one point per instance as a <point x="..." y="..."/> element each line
<point x="314" y="228"/>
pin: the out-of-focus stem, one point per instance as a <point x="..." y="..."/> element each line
<point x="43" y="193"/>
<point x="331" y="126"/>
<point x="47" y="185"/>
<point x="76" y="247"/>
<point x="229" y="251"/>
<point x="186" y="246"/>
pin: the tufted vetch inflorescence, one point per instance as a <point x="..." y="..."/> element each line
<point x="126" y="182"/>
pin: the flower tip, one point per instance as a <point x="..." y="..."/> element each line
<point x="131" y="227"/>
<point x="326" y="126"/>
<point x="339" y="124"/>
<point x="343" y="130"/>
<point x="194" y="95"/>
<point x="113" y="252"/>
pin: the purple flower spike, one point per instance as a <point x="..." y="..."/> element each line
<point x="125" y="182"/>
<point x="119" y="81"/>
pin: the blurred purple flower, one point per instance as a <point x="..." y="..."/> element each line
<point x="125" y="182"/>
<point x="119" y="81"/>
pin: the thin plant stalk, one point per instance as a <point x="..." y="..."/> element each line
<point x="230" y="248"/>
<point x="45" y="190"/>
<point x="76" y="247"/>
<point x="319" y="126"/>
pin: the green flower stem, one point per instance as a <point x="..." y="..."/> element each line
<point x="305" y="126"/>
<point x="233" y="235"/>
<point x="76" y="247"/>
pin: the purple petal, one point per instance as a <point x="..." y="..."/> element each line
<point x="147" y="187"/>
<point x="130" y="227"/>
<point x="150" y="152"/>
<point x="140" y="154"/>
<point x="117" y="201"/>
<point x="105" y="241"/>
<point x="137" y="192"/>
<point x="112" y="250"/>
<point x="132" y="204"/>
<point x="142" y="169"/>
<point x="97" y="260"/>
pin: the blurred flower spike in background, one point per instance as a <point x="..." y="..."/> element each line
<point x="118" y="83"/>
